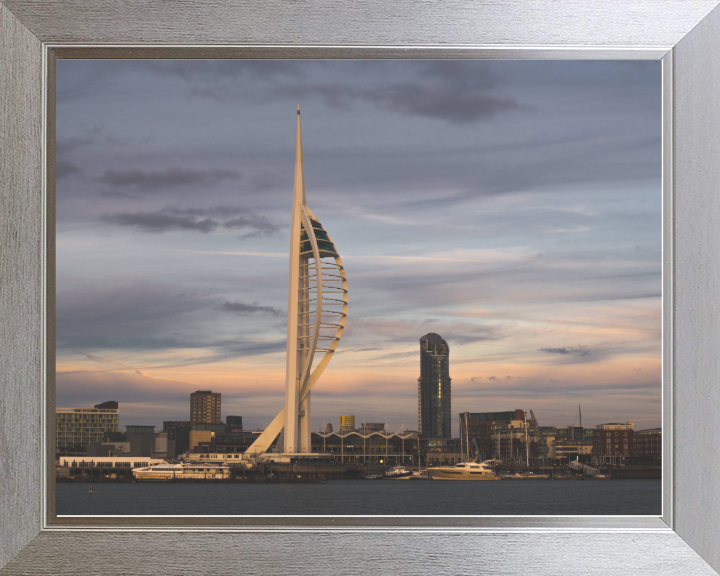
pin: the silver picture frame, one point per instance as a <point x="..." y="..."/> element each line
<point x="684" y="34"/>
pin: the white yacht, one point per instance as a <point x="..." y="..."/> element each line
<point x="464" y="471"/>
<point x="181" y="471"/>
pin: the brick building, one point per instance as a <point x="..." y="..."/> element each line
<point x="613" y="443"/>
<point x="481" y="427"/>
<point x="647" y="444"/>
<point x="204" y="408"/>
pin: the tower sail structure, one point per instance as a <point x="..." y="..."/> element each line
<point x="317" y="311"/>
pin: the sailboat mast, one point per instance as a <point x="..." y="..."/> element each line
<point x="467" y="438"/>
<point x="527" y="453"/>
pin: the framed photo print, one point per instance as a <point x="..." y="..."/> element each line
<point x="272" y="284"/>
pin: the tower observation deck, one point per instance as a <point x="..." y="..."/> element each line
<point x="317" y="310"/>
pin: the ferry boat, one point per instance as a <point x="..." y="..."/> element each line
<point x="464" y="471"/>
<point x="181" y="471"/>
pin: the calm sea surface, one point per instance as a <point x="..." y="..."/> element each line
<point x="350" y="497"/>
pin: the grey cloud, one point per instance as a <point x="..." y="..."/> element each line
<point x="468" y="334"/>
<point x="71" y="143"/>
<point x="135" y="316"/>
<point x="440" y="101"/>
<point x="150" y="317"/>
<point x="267" y="181"/>
<point x="78" y="387"/>
<point x="579" y="351"/>
<point x="456" y="92"/>
<point x="461" y="73"/>
<point x="200" y="220"/>
<point x="158" y="222"/>
<point x="101" y="359"/>
<point x="64" y="168"/>
<point x="173" y="176"/>
<point x="400" y="331"/>
<point x="226" y="349"/>
<point x="261" y="224"/>
<point x="225" y="70"/>
<point x="242" y="308"/>
<point x="395" y="355"/>
<point x="219" y="93"/>
<point x="231" y="218"/>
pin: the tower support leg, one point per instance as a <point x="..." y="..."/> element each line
<point x="304" y="422"/>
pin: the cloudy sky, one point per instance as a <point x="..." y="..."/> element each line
<point x="512" y="207"/>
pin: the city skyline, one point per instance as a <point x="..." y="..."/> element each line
<point x="511" y="207"/>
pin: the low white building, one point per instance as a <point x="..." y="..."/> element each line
<point x="239" y="460"/>
<point x="107" y="462"/>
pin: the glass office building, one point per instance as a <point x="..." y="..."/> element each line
<point x="434" y="387"/>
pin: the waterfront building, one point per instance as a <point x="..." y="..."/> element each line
<point x="347" y="423"/>
<point x="224" y="442"/>
<point x="76" y="427"/>
<point x="197" y="438"/>
<point x="434" y="387"/>
<point x="317" y="309"/>
<point x="613" y="443"/>
<point x="114" y="436"/>
<point x="560" y="444"/>
<point x="98" y="450"/>
<point x="234" y="423"/>
<point x="204" y="407"/>
<point x="563" y="450"/>
<point x="218" y="428"/>
<point x="375" y="448"/>
<point x="369" y="427"/>
<point x="480" y="426"/>
<point x="515" y="443"/>
<point x="141" y="439"/>
<point x="99" y="467"/>
<point x="178" y="440"/>
<point x="328" y="428"/>
<point x="647" y="445"/>
<point x="175" y="424"/>
<point x="160" y="449"/>
<point x="204" y="433"/>
<point x="441" y="451"/>
<point x="178" y="437"/>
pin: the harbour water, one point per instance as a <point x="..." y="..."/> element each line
<point x="365" y="497"/>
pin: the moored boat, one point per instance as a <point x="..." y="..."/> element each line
<point x="181" y="471"/>
<point x="398" y="472"/>
<point x="463" y="471"/>
<point x="421" y="475"/>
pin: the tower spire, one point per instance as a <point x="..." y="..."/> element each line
<point x="307" y="308"/>
<point x="299" y="176"/>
